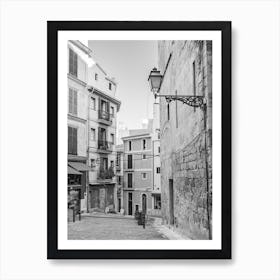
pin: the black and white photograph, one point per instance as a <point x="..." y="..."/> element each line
<point x="136" y="134"/>
<point x="140" y="139"/>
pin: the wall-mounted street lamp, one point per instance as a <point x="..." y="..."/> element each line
<point x="155" y="80"/>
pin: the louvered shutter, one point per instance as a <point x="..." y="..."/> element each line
<point x="99" y="106"/>
<point x="75" y="65"/>
<point x="74" y="142"/>
<point x="70" y="60"/>
<point x="69" y="139"/>
<point x="70" y="100"/>
<point x="75" y="103"/>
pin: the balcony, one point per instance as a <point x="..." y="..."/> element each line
<point x="106" y="174"/>
<point x="105" y="146"/>
<point x="104" y="117"/>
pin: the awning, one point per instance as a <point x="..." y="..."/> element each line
<point x="72" y="171"/>
<point x="79" y="166"/>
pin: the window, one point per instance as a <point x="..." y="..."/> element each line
<point x="157" y="202"/>
<point x="159" y="150"/>
<point x="72" y="140"/>
<point x="168" y="112"/>
<point x="158" y="136"/>
<point x="73" y="102"/>
<point x="144" y="176"/>
<point x="112" y="111"/>
<point x="129" y="180"/>
<point x="118" y="163"/>
<point x="110" y="86"/>
<point x="73" y="63"/>
<point x="92" y="134"/>
<point x="129" y="161"/>
<point x="93" y="103"/>
<point x="144" y="157"/>
<point x="92" y="163"/>
<point x="144" y="144"/>
<point x="112" y="138"/>
<point x="96" y="77"/>
<point x="112" y="163"/>
<point x="158" y="169"/>
<point x="119" y="180"/>
<point x="129" y="145"/>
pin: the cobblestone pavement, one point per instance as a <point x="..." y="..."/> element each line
<point x="109" y="228"/>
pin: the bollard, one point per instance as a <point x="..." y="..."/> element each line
<point x="143" y="219"/>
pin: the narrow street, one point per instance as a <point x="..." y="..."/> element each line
<point x="113" y="228"/>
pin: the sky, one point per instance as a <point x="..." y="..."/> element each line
<point x="130" y="63"/>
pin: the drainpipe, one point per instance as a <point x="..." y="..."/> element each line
<point x="88" y="139"/>
<point x="206" y="170"/>
<point x="205" y="110"/>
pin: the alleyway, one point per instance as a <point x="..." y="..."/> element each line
<point x="110" y="227"/>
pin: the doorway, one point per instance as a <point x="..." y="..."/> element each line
<point x="94" y="198"/>
<point x="130" y="203"/>
<point x="171" y="202"/>
<point x="119" y="204"/>
<point x="144" y="203"/>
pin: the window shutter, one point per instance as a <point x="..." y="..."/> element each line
<point x="75" y="65"/>
<point x="99" y="134"/>
<point x="75" y="103"/>
<point x="70" y="60"/>
<point x="69" y="139"/>
<point x="70" y="100"/>
<point x="74" y="131"/>
<point x="108" y="107"/>
<point x="99" y="104"/>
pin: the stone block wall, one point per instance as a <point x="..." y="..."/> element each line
<point x="186" y="138"/>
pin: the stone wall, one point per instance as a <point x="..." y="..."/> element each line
<point x="186" y="138"/>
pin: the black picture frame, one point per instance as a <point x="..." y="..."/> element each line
<point x="52" y="102"/>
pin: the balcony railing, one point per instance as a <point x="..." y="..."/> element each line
<point x="105" y="145"/>
<point x="106" y="174"/>
<point x="104" y="115"/>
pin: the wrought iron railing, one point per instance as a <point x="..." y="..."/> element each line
<point x="104" y="115"/>
<point x="106" y="173"/>
<point x="105" y="145"/>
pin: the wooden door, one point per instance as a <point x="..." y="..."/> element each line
<point x="171" y="201"/>
<point x="94" y="197"/>
<point x="144" y="203"/>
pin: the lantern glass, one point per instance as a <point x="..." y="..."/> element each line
<point x="155" y="80"/>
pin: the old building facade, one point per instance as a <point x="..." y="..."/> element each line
<point x="119" y="176"/>
<point x="156" y="165"/>
<point x="77" y="127"/>
<point x="138" y="172"/>
<point x="186" y="138"/>
<point x="102" y="119"/>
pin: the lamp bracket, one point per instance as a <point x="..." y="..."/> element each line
<point x="191" y="100"/>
